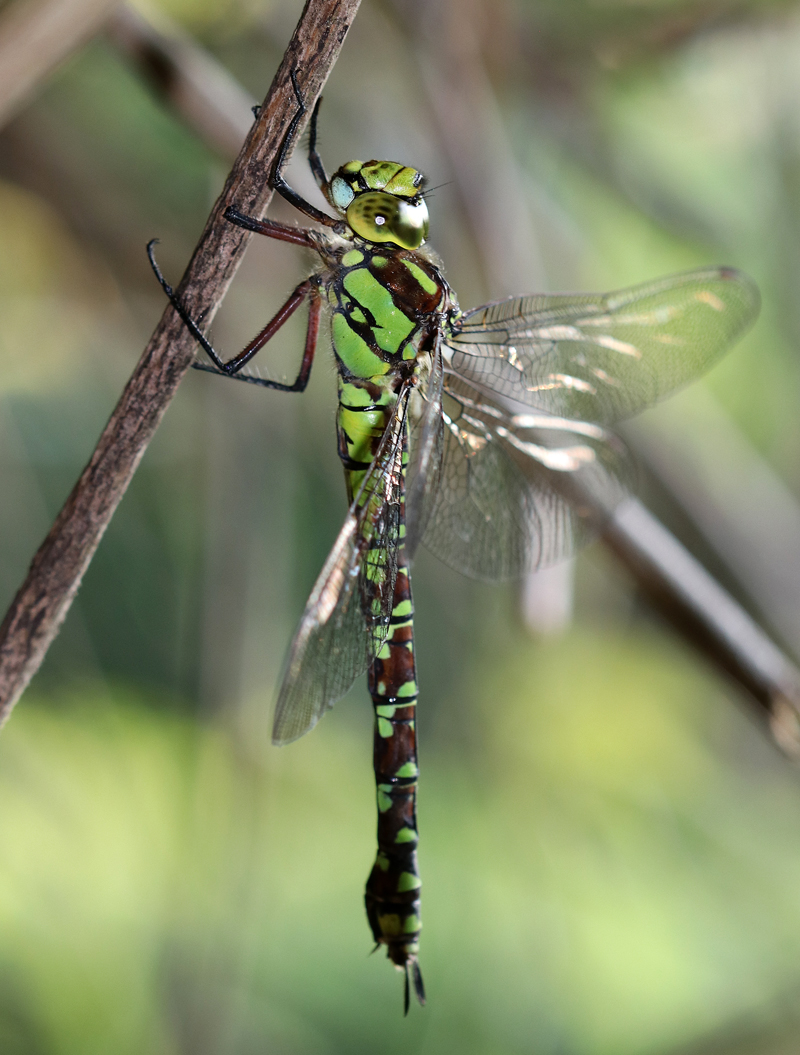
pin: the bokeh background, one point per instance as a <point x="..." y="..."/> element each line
<point x="610" y="845"/>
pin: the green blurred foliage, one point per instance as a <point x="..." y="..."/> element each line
<point x="612" y="864"/>
<point x="610" y="852"/>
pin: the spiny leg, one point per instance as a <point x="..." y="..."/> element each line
<point x="314" y="160"/>
<point x="277" y="181"/>
<point x="308" y="288"/>
<point x="284" y="232"/>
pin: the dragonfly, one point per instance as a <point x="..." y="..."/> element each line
<point x="482" y="434"/>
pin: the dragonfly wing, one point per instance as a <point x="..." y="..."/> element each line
<point x="518" y="492"/>
<point x="426" y="453"/>
<point x="602" y="357"/>
<point x="347" y="615"/>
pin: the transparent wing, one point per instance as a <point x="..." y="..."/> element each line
<point x="426" y="450"/>
<point x="346" y="618"/>
<point x="519" y="491"/>
<point x="602" y="357"/>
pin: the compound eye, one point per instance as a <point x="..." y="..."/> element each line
<point x="381" y="217"/>
<point x="341" y="193"/>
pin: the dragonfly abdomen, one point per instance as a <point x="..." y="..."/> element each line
<point x="361" y="421"/>
<point x="393" y="890"/>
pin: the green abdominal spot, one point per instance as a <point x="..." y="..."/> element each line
<point x="390" y="924"/>
<point x="361" y="425"/>
<point x="385" y="653"/>
<point x="353" y="394"/>
<point x="385" y="728"/>
<point x="407" y="770"/>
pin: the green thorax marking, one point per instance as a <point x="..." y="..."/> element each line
<point x="382" y="301"/>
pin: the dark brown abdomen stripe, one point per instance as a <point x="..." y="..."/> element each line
<point x="393" y="889"/>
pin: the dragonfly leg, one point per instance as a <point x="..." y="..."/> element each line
<point x="314" y="160"/>
<point x="188" y="321"/>
<point x="307" y="288"/>
<point x="284" y="232"/>
<point x="277" y="181"/>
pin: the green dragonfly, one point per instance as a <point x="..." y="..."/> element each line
<point x="481" y="433"/>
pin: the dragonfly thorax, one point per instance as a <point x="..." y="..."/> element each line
<point x="381" y="201"/>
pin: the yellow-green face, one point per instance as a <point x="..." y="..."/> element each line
<point x="382" y="201"/>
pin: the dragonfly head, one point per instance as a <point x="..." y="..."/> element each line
<point x="381" y="200"/>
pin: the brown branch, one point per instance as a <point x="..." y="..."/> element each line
<point x="57" y="569"/>
<point x="35" y="37"/>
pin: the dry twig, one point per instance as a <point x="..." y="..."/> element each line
<point x="57" y="569"/>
